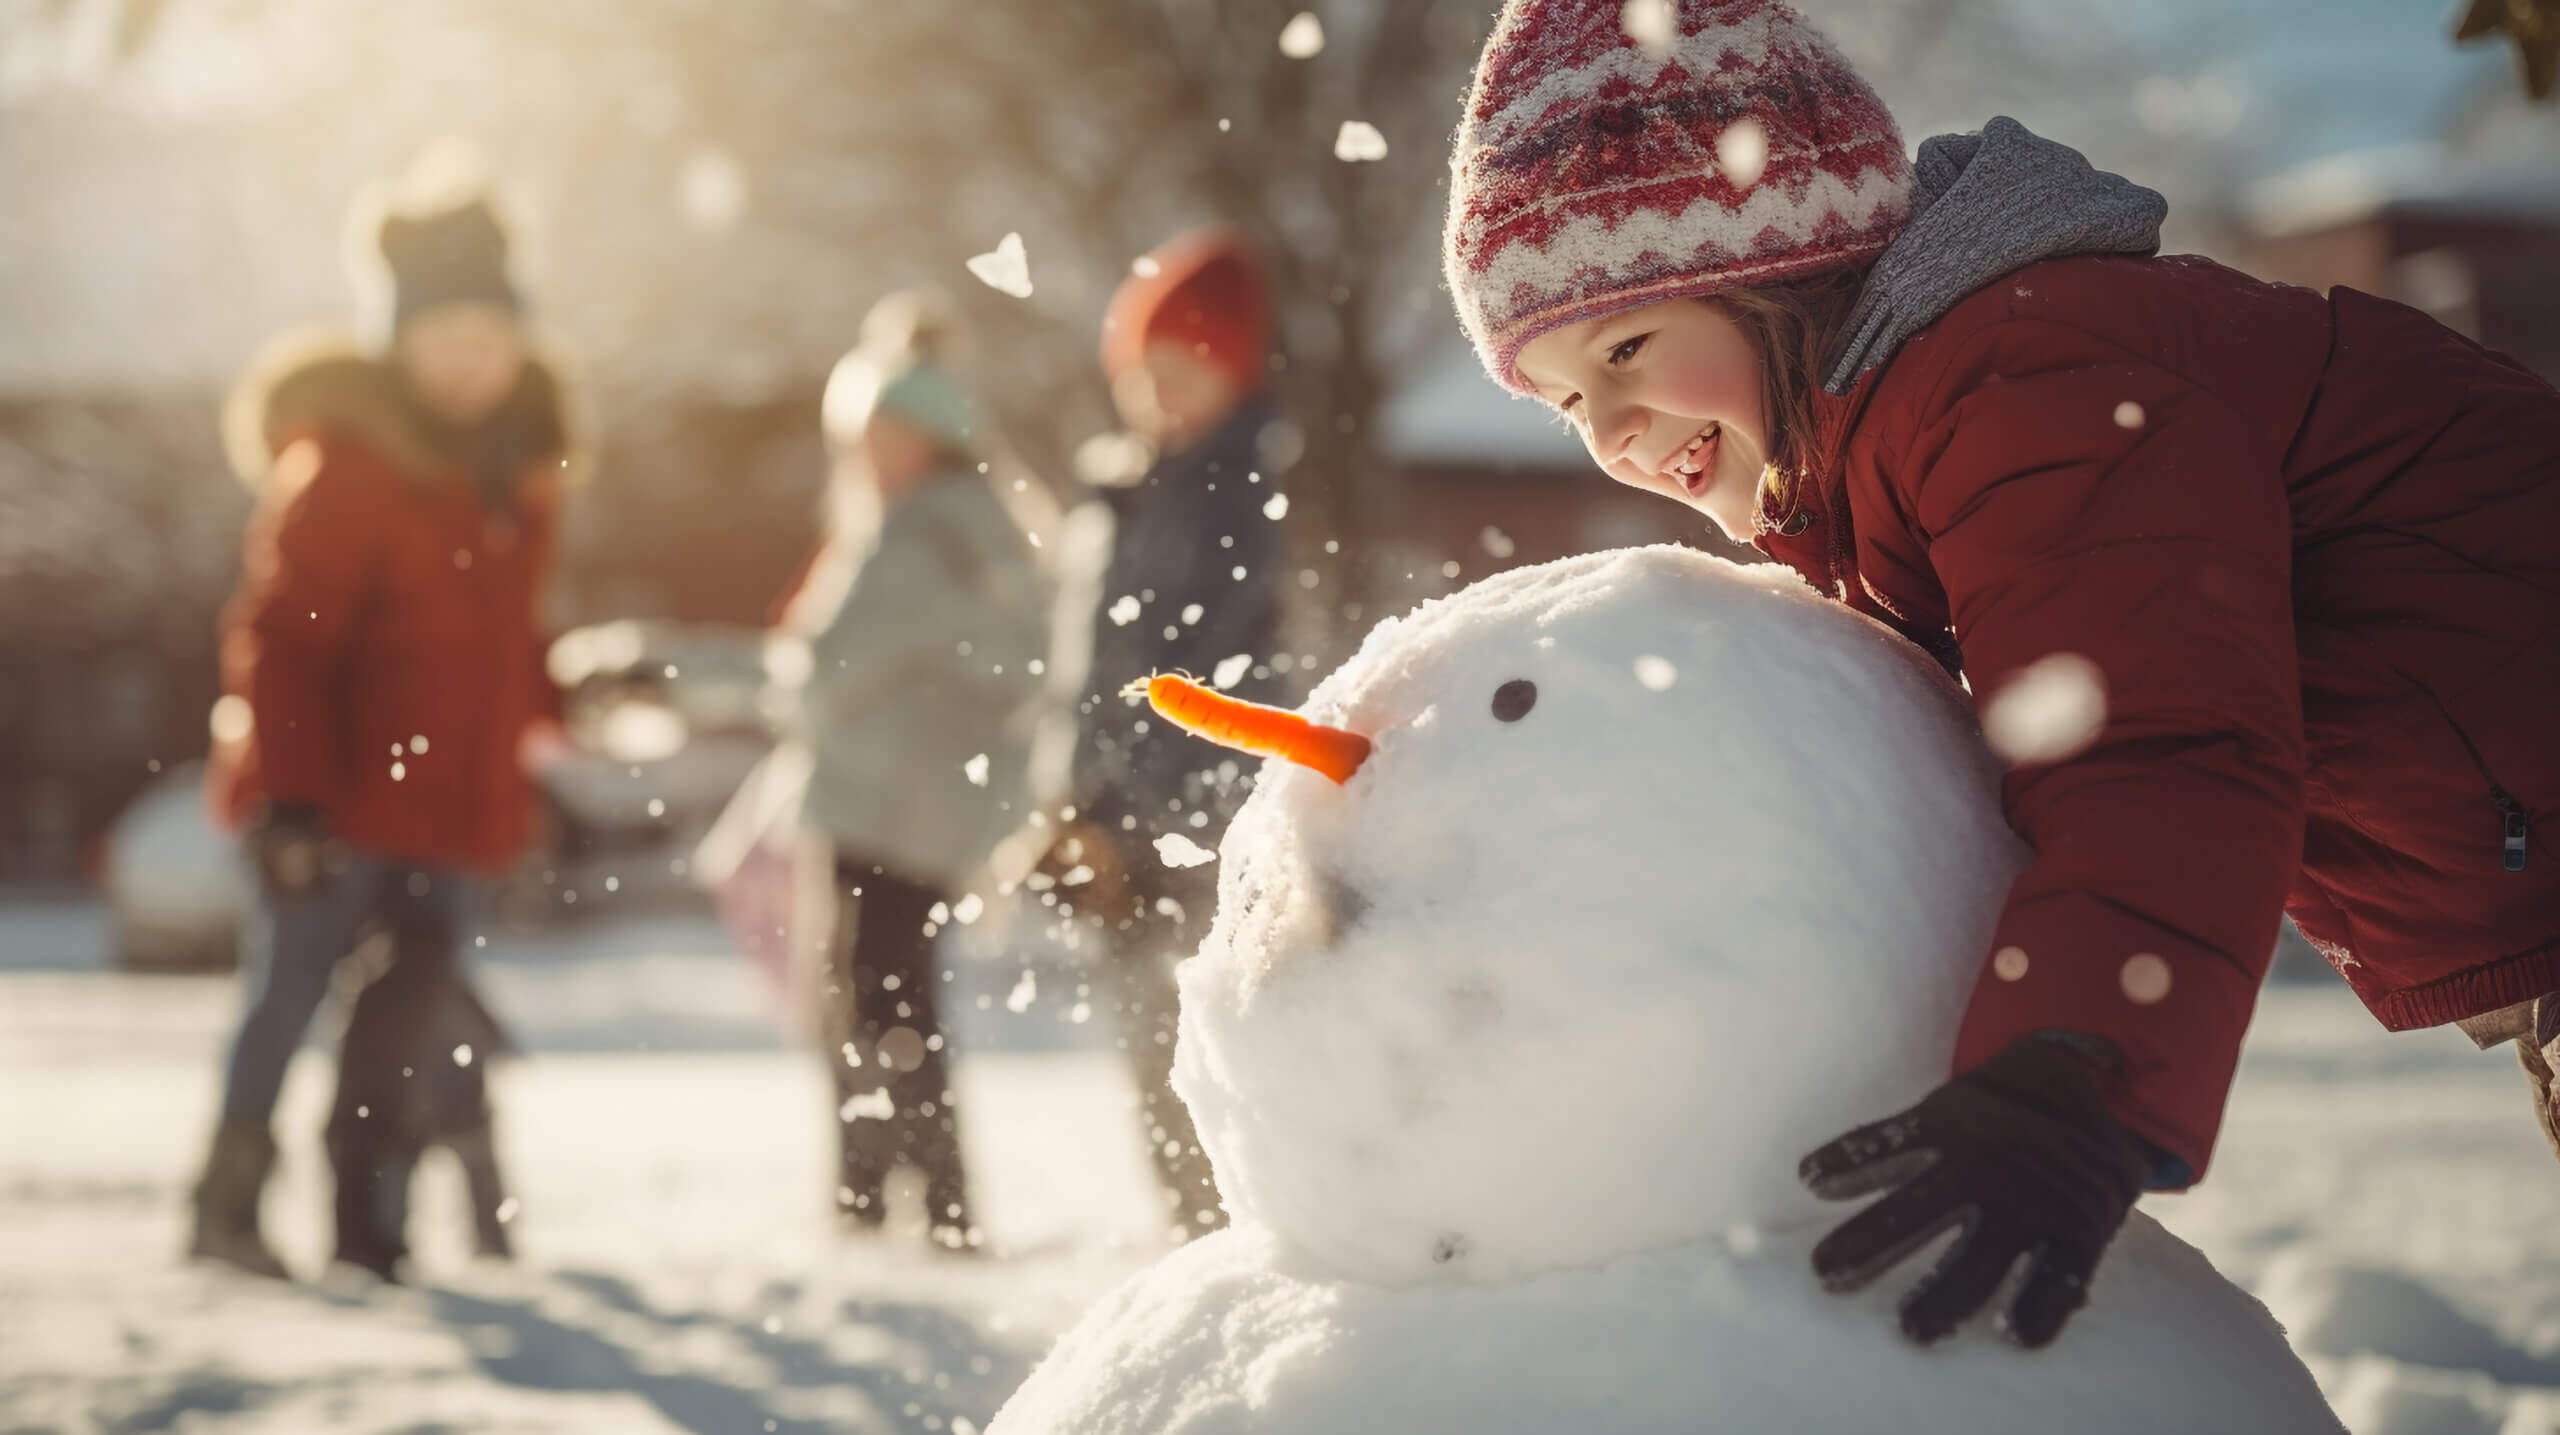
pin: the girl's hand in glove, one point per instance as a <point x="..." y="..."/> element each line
<point x="2021" y="1157"/>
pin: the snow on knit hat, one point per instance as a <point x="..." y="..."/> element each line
<point x="1596" y="171"/>
<point x="1201" y="289"/>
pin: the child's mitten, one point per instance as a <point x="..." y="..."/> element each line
<point x="294" y="850"/>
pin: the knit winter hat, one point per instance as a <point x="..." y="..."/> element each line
<point x="918" y="394"/>
<point x="1201" y="289"/>
<point x="445" y="256"/>
<point x="906" y="365"/>
<point x="1597" y="171"/>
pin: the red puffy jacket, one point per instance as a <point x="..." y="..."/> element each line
<point x="2312" y="545"/>
<point x="383" y="636"/>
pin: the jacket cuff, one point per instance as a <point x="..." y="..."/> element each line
<point x="2176" y="1011"/>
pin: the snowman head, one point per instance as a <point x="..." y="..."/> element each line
<point x="1627" y="879"/>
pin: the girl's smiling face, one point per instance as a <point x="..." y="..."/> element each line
<point x="1668" y="398"/>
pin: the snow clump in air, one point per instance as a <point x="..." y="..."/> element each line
<point x="1177" y="850"/>
<point x="1303" y="37"/>
<point x="2051" y="709"/>
<point x="1358" y="141"/>
<point x="1005" y="269"/>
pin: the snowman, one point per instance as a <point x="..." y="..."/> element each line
<point x="1563" y="919"/>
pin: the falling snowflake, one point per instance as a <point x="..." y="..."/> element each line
<point x="1743" y="151"/>
<point x="1497" y="542"/>
<point x="1230" y="671"/>
<point x="1180" y="851"/>
<point x="1023" y="994"/>
<point x="1125" y="610"/>
<point x="462" y="1054"/>
<point x="2128" y="415"/>
<point x="976" y="770"/>
<point x="1277" y="508"/>
<point x="1007" y="269"/>
<point x="968" y="909"/>
<point x="878" y="1106"/>
<point x="2051" y="709"/>
<point x="1656" y="673"/>
<point x="1653" y="24"/>
<point x="1359" y="140"/>
<point x="231" y="720"/>
<point x="1303" y="37"/>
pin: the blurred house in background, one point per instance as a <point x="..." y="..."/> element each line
<point x="2478" y="247"/>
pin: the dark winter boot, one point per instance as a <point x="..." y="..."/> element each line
<point x="864" y="1208"/>
<point x="946" y="1204"/>
<point x="235" y="1174"/>
<point x="372" y="1206"/>
<point x="477" y="1150"/>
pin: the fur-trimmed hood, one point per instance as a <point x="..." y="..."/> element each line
<point x="326" y="382"/>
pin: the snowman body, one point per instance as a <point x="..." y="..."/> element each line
<point x="1659" y="872"/>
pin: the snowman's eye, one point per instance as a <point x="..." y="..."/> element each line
<point x="1512" y="701"/>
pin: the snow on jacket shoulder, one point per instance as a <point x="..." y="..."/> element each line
<point x="922" y="701"/>
<point x="2312" y="547"/>
<point x="383" y="636"/>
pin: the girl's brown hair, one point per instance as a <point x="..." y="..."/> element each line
<point x="1796" y="329"/>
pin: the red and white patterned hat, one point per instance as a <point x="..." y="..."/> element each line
<point x="1722" y="143"/>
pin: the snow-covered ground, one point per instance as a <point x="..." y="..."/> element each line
<point x="2389" y="1197"/>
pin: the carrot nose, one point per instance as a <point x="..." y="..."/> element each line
<point x="1255" y="728"/>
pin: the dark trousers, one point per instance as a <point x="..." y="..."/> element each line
<point x="412" y="1073"/>
<point x="1155" y="920"/>
<point x="885" y="1051"/>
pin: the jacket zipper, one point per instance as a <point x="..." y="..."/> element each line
<point x="2514" y="826"/>
<point x="2509" y="809"/>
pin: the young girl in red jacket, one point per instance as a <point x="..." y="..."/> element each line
<point x="2307" y="546"/>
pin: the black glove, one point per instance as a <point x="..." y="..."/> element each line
<point x="295" y="852"/>
<point x="2022" y="1155"/>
